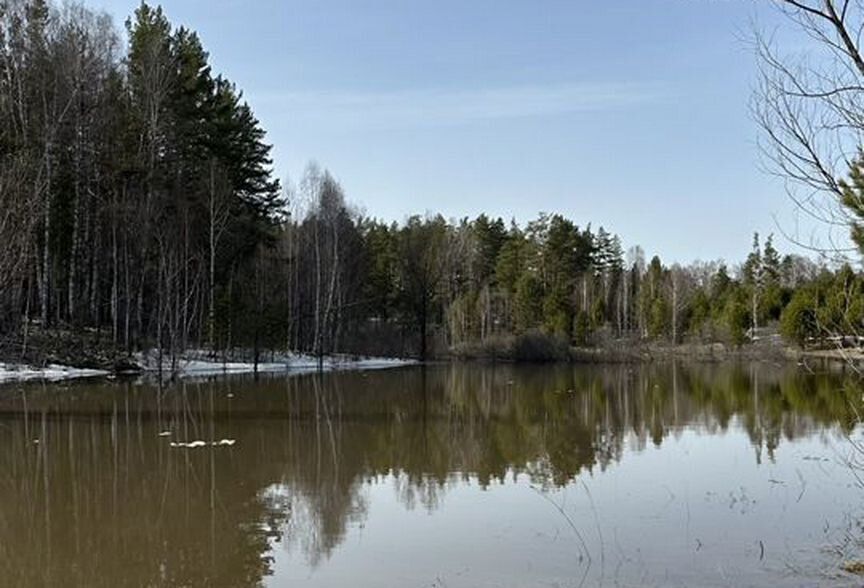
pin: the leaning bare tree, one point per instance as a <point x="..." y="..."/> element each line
<point x="810" y="107"/>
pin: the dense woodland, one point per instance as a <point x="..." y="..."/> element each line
<point x="138" y="206"/>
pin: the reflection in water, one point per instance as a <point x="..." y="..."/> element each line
<point x="94" y="494"/>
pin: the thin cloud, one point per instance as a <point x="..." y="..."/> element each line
<point x="455" y="107"/>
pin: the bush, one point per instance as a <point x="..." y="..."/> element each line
<point x="531" y="346"/>
<point x="798" y="321"/>
<point x="736" y="315"/>
<point x="538" y="346"/>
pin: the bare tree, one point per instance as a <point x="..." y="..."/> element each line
<point x="18" y="218"/>
<point x="217" y="209"/>
<point x="422" y="248"/>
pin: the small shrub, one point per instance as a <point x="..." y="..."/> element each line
<point x="539" y="346"/>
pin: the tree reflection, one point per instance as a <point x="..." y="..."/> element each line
<point x="94" y="494"/>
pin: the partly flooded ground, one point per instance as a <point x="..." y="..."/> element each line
<point x="449" y="476"/>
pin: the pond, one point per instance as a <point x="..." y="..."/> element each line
<point x="446" y="476"/>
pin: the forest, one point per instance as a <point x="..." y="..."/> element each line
<point x="139" y="209"/>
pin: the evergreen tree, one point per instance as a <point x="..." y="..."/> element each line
<point x="852" y="199"/>
<point x="491" y="236"/>
<point x="528" y="304"/>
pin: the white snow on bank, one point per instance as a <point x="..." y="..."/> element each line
<point x="53" y="373"/>
<point x="199" y="363"/>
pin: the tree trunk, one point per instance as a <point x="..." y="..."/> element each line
<point x="211" y="295"/>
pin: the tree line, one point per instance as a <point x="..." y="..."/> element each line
<point x="138" y="204"/>
<point x="135" y="185"/>
<point x="474" y="286"/>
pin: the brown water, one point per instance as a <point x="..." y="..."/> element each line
<point x="452" y="476"/>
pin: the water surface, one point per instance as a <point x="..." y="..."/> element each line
<point x="449" y="476"/>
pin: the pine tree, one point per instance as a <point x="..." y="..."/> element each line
<point x="491" y="236"/>
<point x="852" y="199"/>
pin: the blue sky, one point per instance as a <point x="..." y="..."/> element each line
<point x="631" y="114"/>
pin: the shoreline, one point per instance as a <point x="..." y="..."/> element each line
<point x="195" y="367"/>
<point x="696" y="352"/>
<point x="52" y="363"/>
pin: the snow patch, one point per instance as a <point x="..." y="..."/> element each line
<point x="10" y="372"/>
<point x="200" y="363"/>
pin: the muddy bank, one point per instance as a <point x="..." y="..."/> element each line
<point x="535" y="347"/>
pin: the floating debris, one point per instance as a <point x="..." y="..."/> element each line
<point x="853" y="567"/>
<point x="190" y="445"/>
<point x="200" y="443"/>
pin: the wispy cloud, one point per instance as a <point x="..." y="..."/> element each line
<point x="454" y="107"/>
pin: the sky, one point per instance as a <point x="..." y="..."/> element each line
<point x="627" y="114"/>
